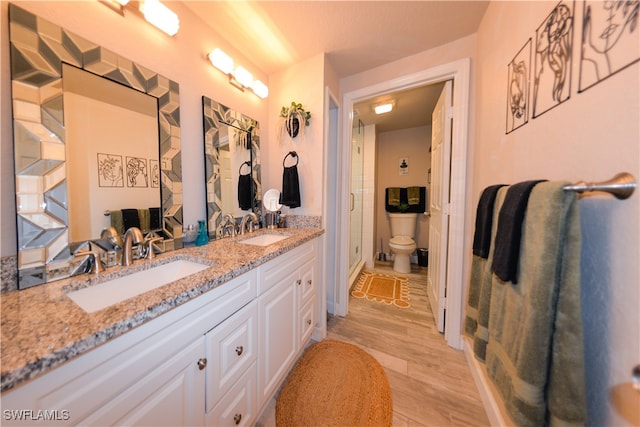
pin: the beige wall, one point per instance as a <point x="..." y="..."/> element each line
<point x="181" y="58"/>
<point x="294" y="84"/>
<point x="413" y="143"/>
<point x="592" y="136"/>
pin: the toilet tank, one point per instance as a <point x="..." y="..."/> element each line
<point x="403" y="224"/>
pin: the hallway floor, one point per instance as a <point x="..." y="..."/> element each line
<point x="431" y="384"/>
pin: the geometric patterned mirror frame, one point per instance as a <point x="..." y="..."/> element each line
<point x="38" y="50"/>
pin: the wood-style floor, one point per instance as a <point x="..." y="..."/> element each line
<point x="431" y="384"/>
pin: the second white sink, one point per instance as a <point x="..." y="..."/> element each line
<point x="263" y="239"/>
<point x="97" y="297"/>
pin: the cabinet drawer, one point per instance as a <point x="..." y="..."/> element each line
<point x="238" y="407"/>
<point x="307" y="284"/>
<point x="231" y="348"/>
<point x="307" y="322"/>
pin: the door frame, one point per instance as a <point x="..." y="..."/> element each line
<point x="459" y="72"/>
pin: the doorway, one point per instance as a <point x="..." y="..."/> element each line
<point x="458" y="72"/>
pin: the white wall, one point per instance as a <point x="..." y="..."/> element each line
<point x="181" y="58"/>
<point x="592" y="136"/>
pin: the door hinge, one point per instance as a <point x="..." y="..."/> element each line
<point x="449" y="113"/>
<point x="443" y="302"/>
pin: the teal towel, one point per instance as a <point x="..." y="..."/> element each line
<point x="535" y="353"/>
<point x="476" y="321"/>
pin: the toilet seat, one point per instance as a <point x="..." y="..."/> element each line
<point x="402" y="241"/>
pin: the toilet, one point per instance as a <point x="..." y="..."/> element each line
<point x="403" y="229"/>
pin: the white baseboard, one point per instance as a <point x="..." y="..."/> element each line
<point x="492" y="404"/>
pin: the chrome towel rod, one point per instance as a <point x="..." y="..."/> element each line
<point x="621" y="186"/>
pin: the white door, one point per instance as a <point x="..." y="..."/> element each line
<point x="439" y="204"/>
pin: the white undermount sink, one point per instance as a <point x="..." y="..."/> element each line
<point x="263" y="239"/>
<point x="97" y="297"/>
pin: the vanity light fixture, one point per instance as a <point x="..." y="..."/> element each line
<point x="153" y="11"/>
<point x="161" y="16"/>
<point x="384" y="108"/>
<point x="239" y="76"/>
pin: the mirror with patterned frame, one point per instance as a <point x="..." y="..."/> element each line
<point x="39" y="51"/>
<point x="232" y="163"/>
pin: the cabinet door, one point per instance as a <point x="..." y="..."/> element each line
<point x="238" y="407"/>
<point x="232" y="347"/>
<point x="171" y="395"/>
<point x="307" y="321"/>
<point x="278" y="336"/>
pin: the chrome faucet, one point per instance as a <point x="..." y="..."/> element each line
<point x="132" y="235"/>
<point x="228" y="225"/>
<point x="252" y="219"/>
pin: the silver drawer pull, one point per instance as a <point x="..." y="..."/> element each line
<point x="309" y="322"/>
<point x="237" y="418"/>
<point x="299" y="282"/>
<point x="239" y="350"/>
<point x="202" y="363"/>
<point x="309" y="282"/>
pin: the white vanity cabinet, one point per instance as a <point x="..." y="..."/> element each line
<point x="286" y="309"/>
<point x="215" y="360"/>
<point x="152" y="375"/>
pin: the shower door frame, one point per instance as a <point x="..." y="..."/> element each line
<point x="459" y="72"/>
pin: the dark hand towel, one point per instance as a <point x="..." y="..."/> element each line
<point x="290" y="195"/>
<point x="130" y="218"/>
<point x="155" y="219"/>
<point x="507" y="244"/>
<point x="244" y="191"/>
<point x="484" y="220"/>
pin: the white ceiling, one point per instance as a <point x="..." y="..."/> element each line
<point x="355" y="35"/>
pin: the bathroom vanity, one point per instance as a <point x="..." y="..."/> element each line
<point x="211" y="348"/>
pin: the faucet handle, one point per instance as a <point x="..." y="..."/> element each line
<point x="150" y="254"/>
<point x="94" y="257"/>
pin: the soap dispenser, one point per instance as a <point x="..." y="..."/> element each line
<point x="201" y="238"/>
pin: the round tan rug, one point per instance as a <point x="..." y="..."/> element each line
<point x="335" y="384"/>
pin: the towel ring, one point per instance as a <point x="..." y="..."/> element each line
<point x="292" y="154"/>
<point x="248" y="163"/>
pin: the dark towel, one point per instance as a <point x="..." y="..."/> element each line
<point x="155" y="219"/>
<point x="389" y="199"/>
<point x="290" y="195"/>
<point x="507" y="250"/>
<point x="484" y="220"/>
<point x="130" y="218"/>
<point x="245" y="183"/>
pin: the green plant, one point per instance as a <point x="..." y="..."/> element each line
<point x="403" y="207"/>
<point x="290" y="114"/>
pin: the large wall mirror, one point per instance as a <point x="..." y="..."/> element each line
<point x="94" y="135"/>
<point x="232" y="163"/>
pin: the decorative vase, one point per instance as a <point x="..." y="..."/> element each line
<point x="292" y="126"/>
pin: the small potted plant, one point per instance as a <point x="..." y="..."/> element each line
<point x="291" y="119"/>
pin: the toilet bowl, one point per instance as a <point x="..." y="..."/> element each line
<point x="402" y="245"/>
<point x="402" y="248"/>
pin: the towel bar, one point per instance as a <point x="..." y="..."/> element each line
<point x="621" y="186"/>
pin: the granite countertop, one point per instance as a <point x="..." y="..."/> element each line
<point x="42" y="327"/>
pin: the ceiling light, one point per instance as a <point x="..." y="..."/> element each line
<point x="383" y="108"/>
<point x="161" y="16"/>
